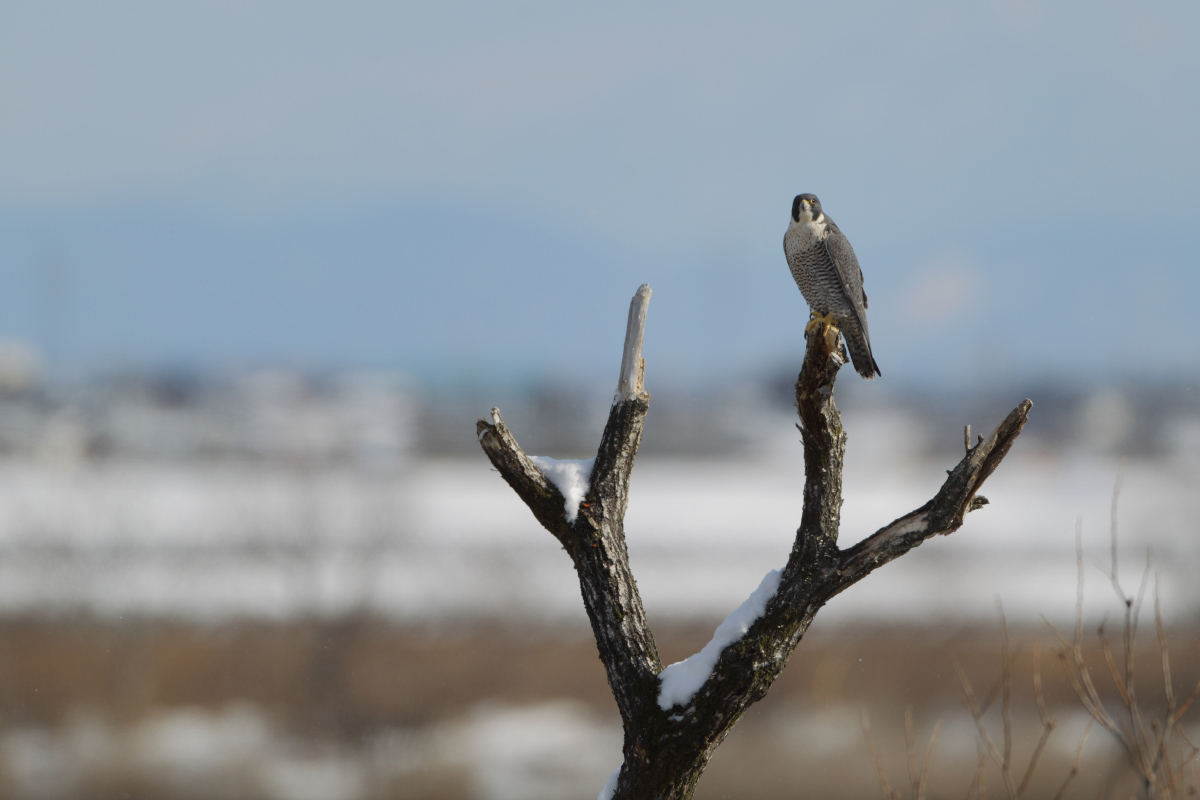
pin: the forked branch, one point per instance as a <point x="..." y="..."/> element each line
<point x="669" y="738"/>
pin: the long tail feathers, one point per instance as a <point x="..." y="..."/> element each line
<point x="860" y="353"/>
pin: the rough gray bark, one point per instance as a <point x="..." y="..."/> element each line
<point x="665" y="751"/>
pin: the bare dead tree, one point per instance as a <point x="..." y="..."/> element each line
<point x="666" y="750"/>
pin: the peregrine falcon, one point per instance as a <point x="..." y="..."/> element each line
<point x="829" y="277"/>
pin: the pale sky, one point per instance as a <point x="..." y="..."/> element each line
<point x="460" y="188"/>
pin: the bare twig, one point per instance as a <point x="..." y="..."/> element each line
<point x="978" y="788"/>
<point x="910" y="747"/>
<point x="1048" y="723"/>
<point x="1062" y="790"/>
<point x="1155" y="745"/>
<point x="923" y="783"/>
<point x="918" y="768"/>
<point x="1006" y="702"/>
<point x="1114" y="561"/>
<point x="877" y="762"/>
<point x="1001" y="755"/>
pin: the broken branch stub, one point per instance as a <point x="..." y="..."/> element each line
<point x="633" y="366"/>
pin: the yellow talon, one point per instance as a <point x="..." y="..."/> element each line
<point x="820" y="319"/>
<point x="831" y="329"/>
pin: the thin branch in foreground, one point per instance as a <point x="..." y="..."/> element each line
<point x="1048" y="722"/>
<point x="923" y="782"/>
<point x="1001" y="755"/>
<point x="918" y="767"/>
<point x="978" y="788"/>
<point x="1062" y="790"/>
<point x="1114" y="560"/>
<point x="1156" y="747"/>
<point x="880" y="770"/>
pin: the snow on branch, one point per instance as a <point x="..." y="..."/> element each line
<point x="570" y="476"/>
<point x="681" y="680"/>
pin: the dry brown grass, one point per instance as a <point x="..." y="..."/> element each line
<point x="367" y="672"/>
<point x="341" y="681"/>
<point x="1142" y="715"/>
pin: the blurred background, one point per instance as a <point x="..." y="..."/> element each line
<point x="265" y="264"/>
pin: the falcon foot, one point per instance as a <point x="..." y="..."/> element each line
<point x="831" y="329"/>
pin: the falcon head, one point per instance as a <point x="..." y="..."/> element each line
<point x="806" y="208"/>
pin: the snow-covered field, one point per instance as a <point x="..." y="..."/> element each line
<point x="449" y="540"/>
<point x="546" y="751"/>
